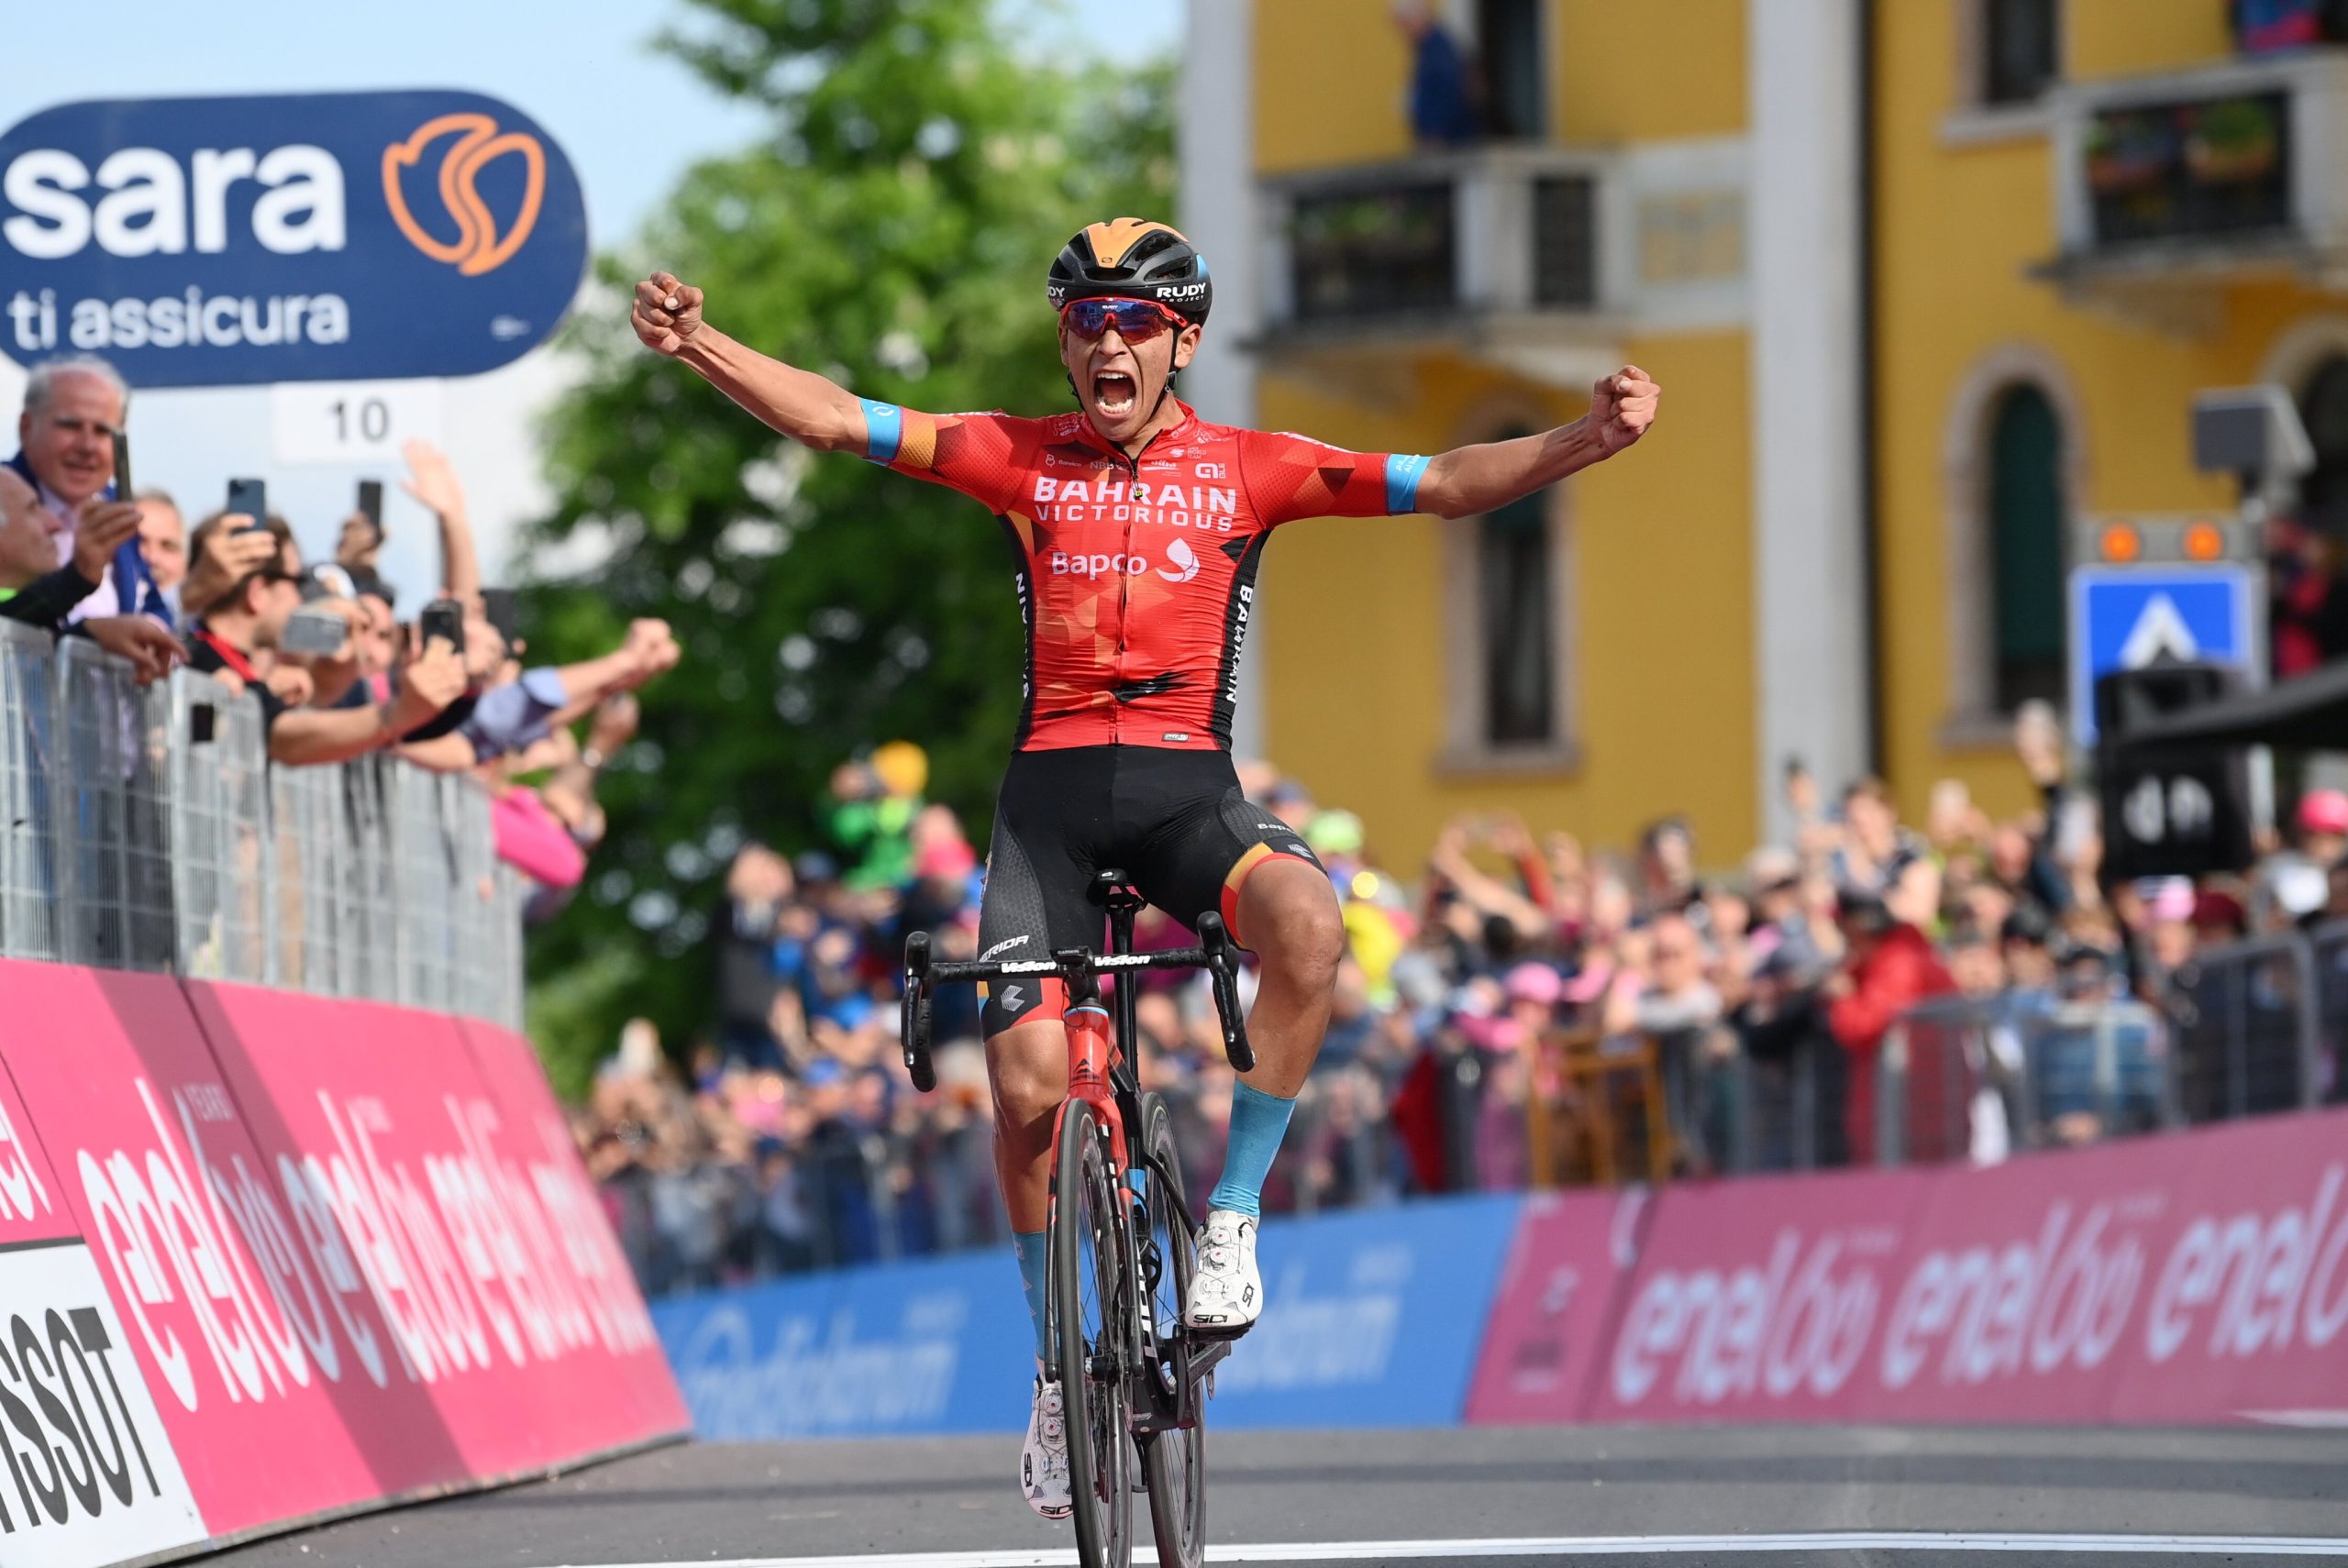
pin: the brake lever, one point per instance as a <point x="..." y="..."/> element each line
<point x="1216" y="942"/>
<point x="912" y="1025"/>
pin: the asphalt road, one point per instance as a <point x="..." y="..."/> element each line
<point x="1790" y="1495"/>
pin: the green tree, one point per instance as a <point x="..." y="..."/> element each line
<point x="892" y="233"/>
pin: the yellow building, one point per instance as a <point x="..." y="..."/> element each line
<point x="1927" y="284"/>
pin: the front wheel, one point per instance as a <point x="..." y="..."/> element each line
<point x="1086" y="1331"/>
<point x="1176" y="1459"/>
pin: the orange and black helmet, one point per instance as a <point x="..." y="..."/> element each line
<point x="1133" y="258"/>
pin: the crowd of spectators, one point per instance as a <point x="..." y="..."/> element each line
<point x="315" y="638"/>
<point x="1520" y="983"/>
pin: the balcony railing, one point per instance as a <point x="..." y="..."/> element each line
<point x="2233" y="167"/>
<point x="1492" y="232"/>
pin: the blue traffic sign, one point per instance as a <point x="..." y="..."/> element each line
<point x="2128" y="617"/>
<point x="310" y="237"/>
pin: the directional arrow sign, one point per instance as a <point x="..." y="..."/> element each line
<point x="2127" y="618"/>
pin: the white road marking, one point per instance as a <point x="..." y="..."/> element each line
<point x="1603" y="1546"/>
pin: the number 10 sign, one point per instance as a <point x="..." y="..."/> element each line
<point x="351" y="422"/>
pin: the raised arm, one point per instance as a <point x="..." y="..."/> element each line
<point x="433" y="481"/>
<point x="804" y="407"/>
<point x="1467" y="481"/>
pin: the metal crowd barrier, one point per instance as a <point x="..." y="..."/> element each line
<point x="146" y="830"/>
<point x="1976" y="1079"/>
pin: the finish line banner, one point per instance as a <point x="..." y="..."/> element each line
<point x="314" y="236"/>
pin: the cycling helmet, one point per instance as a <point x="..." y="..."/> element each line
<point x="1133" y="258"/>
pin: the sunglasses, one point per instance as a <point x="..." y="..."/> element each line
<point x="1137" y="321"/>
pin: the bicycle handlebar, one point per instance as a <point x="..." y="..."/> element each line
<point x="1215" y="954"/>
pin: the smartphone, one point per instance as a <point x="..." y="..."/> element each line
<point x="501" y="609"/>
<point x="200" y="723"/>
<point x="443" y="618"/>
<point x="371" y="504"/>
<point x="249" y="498"/>
<point x="313" y="632"/>
<point x="122" y="465"/>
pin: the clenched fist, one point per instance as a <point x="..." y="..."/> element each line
<point x="1621" y="406"/>
<point x="667" y="313"/>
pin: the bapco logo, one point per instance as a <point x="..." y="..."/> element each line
<point x="478" y="248"/>
<point x="1186" y="563"/>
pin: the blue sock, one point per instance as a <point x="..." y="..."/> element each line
<point x="1259" y="1123"/>
<point x="1029" y="1246"/>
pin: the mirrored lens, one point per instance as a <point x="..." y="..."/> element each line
<point x="1137" y="321"/>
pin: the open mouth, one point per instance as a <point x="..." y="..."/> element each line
<point x="1113" y="393"/>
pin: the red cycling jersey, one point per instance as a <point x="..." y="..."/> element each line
<point x="1135" y="575"/>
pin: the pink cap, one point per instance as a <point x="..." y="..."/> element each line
<point x="1591" y="983"/>
<point x="1534" y="983"/>
<point x="2324" y="810"/>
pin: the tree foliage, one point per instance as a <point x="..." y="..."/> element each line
<point x="893" y="233"/>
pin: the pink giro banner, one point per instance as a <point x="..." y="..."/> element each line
<point x="1556" y="1305"/>
<point x="334" y="1265"/>
<point x="500" y="1287"/>
<point x="2198" y="1276"/>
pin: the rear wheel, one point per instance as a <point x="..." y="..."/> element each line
<point x="1088" y="1318"/>
<point x="1176" y="1461"/>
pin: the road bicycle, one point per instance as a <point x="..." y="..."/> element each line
<point x="1121" y="1239"/>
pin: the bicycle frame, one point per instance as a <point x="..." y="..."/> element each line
<point x="1100" y="1073"/>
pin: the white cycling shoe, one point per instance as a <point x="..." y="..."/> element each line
<point x="1043" y="1462"/>
<point x="1226" y="1293"/>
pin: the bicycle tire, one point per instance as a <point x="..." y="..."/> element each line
<point x="1087" y="1252"/>
<point x="1174" y="1462"/>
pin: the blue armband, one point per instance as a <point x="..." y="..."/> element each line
<point x="1403" y="475"/>
<point x="884" y="427"/>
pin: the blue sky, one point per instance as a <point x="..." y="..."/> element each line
<point x="631" y="120"/>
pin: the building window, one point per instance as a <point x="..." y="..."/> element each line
<point x="1514" y="572"/>
<point x="1508" y="34"/>
<point x="1508" y="635"/>
<point x="2026" y="528"/>
<point x="2019" y="54"/>
<point x="2323" y="408"/>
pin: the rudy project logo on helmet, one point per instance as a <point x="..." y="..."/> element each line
<point x="1186" y="563"/>
<point x="478" y="248"/>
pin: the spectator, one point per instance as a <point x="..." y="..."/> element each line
<point x="1890" y="966"/>
<point x="74" y="408"/>
<point x="240" y="633"/>
<point x="38" y="595"/>
<point x="1441" y="111"/>
<point x="162" y="543"/>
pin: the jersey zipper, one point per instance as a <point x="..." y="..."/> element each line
<point x="1124" y="592"/>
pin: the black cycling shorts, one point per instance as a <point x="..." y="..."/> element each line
<point x="1173" y="822"/>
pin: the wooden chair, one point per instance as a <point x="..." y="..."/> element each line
<point x="1588" y="1114"/>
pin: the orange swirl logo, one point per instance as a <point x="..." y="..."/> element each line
<point x="479" y="247"/>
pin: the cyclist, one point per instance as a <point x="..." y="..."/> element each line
<point x="1137" y="528"/>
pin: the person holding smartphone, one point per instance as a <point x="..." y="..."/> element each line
<point x="247" y="628"/>
<point x="70" y="437"/>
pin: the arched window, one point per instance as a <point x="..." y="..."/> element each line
<point x="2323" y="408"/>
<point x="2026" y="527"/>
<point x="1514" y="575"/>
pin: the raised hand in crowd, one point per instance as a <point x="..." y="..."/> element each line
<point x="652" y="649"/>
<point x="105" y="527"/>
<point x="226" y="551"/>
<point x="292" y="683"/>
<point x="434" y="484"/>
<point x="432" y="677"/>
<point x="151" y="649"/>
<point x="360" y="543"/>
